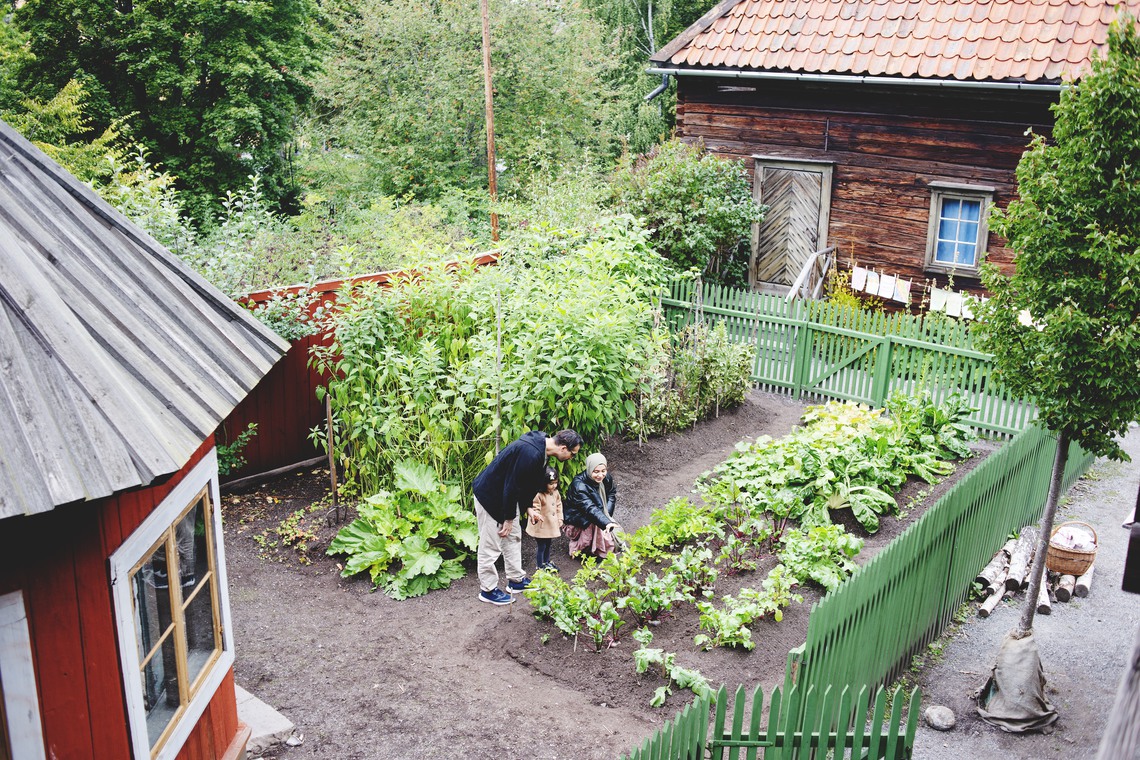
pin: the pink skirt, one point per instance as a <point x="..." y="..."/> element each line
<point x="590" y="540"/>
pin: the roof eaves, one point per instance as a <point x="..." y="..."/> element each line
<point x="687" y="36"/>
<point x="726" y="73"/>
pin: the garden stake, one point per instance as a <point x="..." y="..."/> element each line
<point x="332" y="453"/>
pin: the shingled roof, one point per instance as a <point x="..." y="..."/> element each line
<point x="1025" y="41"/>
<point x="116" y="360"/>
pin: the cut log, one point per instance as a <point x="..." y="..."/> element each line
<point x="992" y="602"/>
<point x="1021" y="559"/>
<point x="1081" y="589"/>
<point x="1065" y="585"/>
<point x="1043" y="606"/>
<point x="998" y="567"/>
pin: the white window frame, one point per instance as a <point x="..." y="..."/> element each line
<point x="21" y="699"/>
<point x="940" y="191"/>
<point x="137" y="546"/>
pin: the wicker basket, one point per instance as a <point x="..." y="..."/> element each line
<point x="1070" y="561"/>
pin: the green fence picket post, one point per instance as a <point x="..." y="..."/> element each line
<point x="881" y="383"/>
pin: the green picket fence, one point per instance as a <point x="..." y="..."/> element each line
<point x="865" y="632"/>
<point x="824" y="724"/>
<point x="821" y="350"/>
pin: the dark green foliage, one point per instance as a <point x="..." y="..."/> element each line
<point x="699" y="207"/>
<point x="1075" y="229"/>
<point x="401" y="103"/>
<point x="700" y="372"/>
<point x="212" y="88"/>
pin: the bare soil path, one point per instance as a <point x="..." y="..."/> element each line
<point x="363" y="676"/>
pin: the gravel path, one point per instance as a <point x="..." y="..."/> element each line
<point x="1083" y="643"/>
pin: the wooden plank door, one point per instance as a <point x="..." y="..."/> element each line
<point x="798" y="196"/>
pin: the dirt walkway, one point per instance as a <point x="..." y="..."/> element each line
<point x="1084" y="643"/>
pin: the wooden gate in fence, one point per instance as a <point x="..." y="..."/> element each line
<point x="823" y="350"/>
<point x="822" y="725"/>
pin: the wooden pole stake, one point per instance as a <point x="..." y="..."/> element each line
<point x="488" y="100"/>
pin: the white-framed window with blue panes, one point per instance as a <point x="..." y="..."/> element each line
<point x="958" y="232"/>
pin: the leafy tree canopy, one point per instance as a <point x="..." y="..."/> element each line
<point x="213" y="88"/>
<point x="401" y="98"/>
<point x="1076" y="231"/>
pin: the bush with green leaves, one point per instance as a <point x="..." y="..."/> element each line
<point x="440" y="364"/>
<point x="700" y="207"/>
<point x="411" y="539"/>
<point x="698" y="373"/>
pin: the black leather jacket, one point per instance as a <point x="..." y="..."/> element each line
<point x="583" y="506"/>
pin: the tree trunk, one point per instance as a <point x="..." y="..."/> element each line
<point x="1036" y="575"/>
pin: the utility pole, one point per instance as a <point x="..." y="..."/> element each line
<point x="492" y="180"/>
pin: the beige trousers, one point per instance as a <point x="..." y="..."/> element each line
<point x="491" y="546"/>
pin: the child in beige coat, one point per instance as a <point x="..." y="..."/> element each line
<point x="544" y="520"/>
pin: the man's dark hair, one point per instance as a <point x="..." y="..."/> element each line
<point x="567" y="438"/>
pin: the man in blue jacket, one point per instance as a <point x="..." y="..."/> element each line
<point x="503" y="491"/>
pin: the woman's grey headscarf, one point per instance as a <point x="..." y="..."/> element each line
<point x="592" y="462"/>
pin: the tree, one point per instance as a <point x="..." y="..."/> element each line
<point x="699" y="207"/>
<point x="212" y="88"/>
<point x="1064" y="328"/>
<point x="401" y="97"/>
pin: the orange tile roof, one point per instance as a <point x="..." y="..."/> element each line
<point x="1041" y="41"/>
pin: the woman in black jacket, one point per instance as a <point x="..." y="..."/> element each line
<point x="588" y="509"/>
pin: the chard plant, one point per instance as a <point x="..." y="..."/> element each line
<point x="646" y="656"/>
<point x="730" y="624"/>
<point x="411" y="539"/>
<point x="677" y="523"/>
<point x="652" y="596"/>
<point x="824" y="554"/>
<point x="695" y="571"/>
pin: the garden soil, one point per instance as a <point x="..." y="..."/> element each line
<point x="366" y="677"/>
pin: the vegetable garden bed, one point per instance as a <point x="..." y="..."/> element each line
<point x="365" y="676"/>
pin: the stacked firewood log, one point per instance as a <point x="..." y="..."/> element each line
<point x="1007" y="575"/>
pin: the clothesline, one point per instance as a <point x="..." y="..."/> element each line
<point x="893" y="287"/>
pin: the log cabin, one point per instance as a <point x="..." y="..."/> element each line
<point x="117" y="364"/>
<point x="886" y="128"/>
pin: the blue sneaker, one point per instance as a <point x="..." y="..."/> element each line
<point x="495" y="596"/>
<point x="517" y="587"/>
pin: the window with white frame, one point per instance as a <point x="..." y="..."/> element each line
<point x="173" y="614"/>
<point x="21" y="734"/>
<point x="958" y="233"/>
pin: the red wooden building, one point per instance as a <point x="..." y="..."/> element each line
<point x="117" y="363"/>
<point x="885" y="128"/>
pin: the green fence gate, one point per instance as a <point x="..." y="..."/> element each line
<point x="823" y="350"/>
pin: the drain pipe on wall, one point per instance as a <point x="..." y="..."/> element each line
<point x="660" y="88"/>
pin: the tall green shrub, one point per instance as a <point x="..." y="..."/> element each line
<point x="437" y="367"/>
<point x="699" y="207"/>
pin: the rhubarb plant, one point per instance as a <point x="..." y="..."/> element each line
<point x="411" y="539"/>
